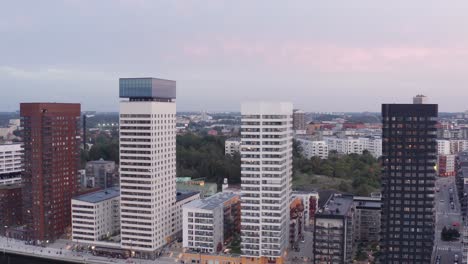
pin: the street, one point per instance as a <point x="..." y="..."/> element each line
<point x="448" y="217"/>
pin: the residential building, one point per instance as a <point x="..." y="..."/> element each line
<point x="355" y="145"/>
<point x="10" y="206"/>
<point x="207" y="223"/>
<point x="182" y="198"/>
<point x="266" y="172"/>
<point x="297" y="222"/>
<point x="443" y="147"/>
<point x="231" y="146"/>
<point x="100" y="173"/>
<point x="96" y="216"/>
<point x="52" y="157"/>
<point x="147" y="164"/>
<point x="367" y="219"/>
<point x="299" y="122"/>
<point x="446" y="165"/>
<point x="11" y="163"/>
<point x="313" y="148"/>
<point x="462" y="190"/>
<point x="310" y="202"/>
<point x="408" y="182"/>
<point x="334" y="231"/>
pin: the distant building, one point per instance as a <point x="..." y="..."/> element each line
<point x="420" y="99"/>
<point x="232" y="145"/>
<point x="182" y="198"/>
<point x="334" y="231"/>
<point x="446" y="165"/>
<point x="206" y="189"/>
<point x="310" y="201"/>
<point x="100" y="173"/>
<point x="296" y="222"/>
<point x="207" y="223"/>
<point x="50" y="177"/>
<point x="11" y="163"/>
<point x="212" y="132"/>
<point x="96" y="216"/>
<point x="311" y="148"/>
<point x="10" y="207"/>
<point x="443" y="147"/>
<point x="367" y="219"/>
<point x="299" y="122"/>
<point x="355" y="145"/>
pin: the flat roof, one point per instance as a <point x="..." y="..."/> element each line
<point x="182" y="195"/>
<point x="100" y="161"/>
<point x="337" y="205"/>
<point x="211" y="202"/>
<point x="363" y="202"/>
<point x="99" y="196"/>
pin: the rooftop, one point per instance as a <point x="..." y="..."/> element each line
<point x="100" y="161"/>
<point x="182" y="195"/>
<point x="147" y="88"/>
<point x="337" y="205"/>
<point x="211" y="202"/>
<point x="99" y="196"/>
<point x="367" y="202"/>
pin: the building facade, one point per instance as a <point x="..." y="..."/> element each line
<point x="11" y="163"/>
<point x="100" y="173"/>
<point x="10" y="207"/>
<point x="147" y="163"/>
<point x="182" y="198"/>
<point x="96" y="216"/>
<point x="266" y="171"/>
<point x="52" y="159"/>
<point x="408" y="182"/>
<point x="231" y="146"/>
<point x="446" y="165"/>
<point x="312" y="148"/>
<point x="334" y="231"/>
<point x="367" y="219"/>
<point x="207" y="223"/>
<point x="299" y="122"/>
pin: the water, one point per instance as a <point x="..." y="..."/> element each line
<point x="18" y="259"/>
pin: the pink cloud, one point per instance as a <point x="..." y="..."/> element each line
<point x="327" y="57"/>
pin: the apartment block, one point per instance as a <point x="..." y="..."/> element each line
<point x="446" y="165"/>
<point x="52" y="158"/>
<point x="147" y="163"/>
<point x="182" y="198"/>
<point x="100" y="173"/>
<point x="96" y="216"/>
<point x="11" y="163"/>
<point x="266" y="172"/>
<point x="310" y="202"/>
<point x="207" y="223"/>
<point x="334" y="231"/>
<point x="231" y="146"/>
<point x="367" y="219"/>
<point x="408" y="183"/>
<point x="312" y="148"/>
<point x="10" y="206"/>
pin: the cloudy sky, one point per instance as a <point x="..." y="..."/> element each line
<point x="321" y="55"/>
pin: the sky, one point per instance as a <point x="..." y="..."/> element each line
<point x="320" y="55"/>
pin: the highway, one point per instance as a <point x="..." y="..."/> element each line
<point x="446" y="216"/>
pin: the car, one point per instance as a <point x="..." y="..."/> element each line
<point x="442" y="201"/>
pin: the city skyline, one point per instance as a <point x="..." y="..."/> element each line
<point x="320" y="56"/>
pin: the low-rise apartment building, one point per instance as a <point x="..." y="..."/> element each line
<point x="207" y="223"/>
<point x="96" y="216"/>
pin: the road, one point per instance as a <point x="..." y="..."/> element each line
<point x="446" y="216"/>
<point x="18" y="247"/>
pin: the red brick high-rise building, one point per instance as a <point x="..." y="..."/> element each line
<point x="51" y="163"/>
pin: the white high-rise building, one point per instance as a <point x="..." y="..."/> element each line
<point x="147" y="163"/>
<point x="266" y="171"/>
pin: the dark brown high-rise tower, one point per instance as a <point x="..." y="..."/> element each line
<point x="51" y="162"/>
